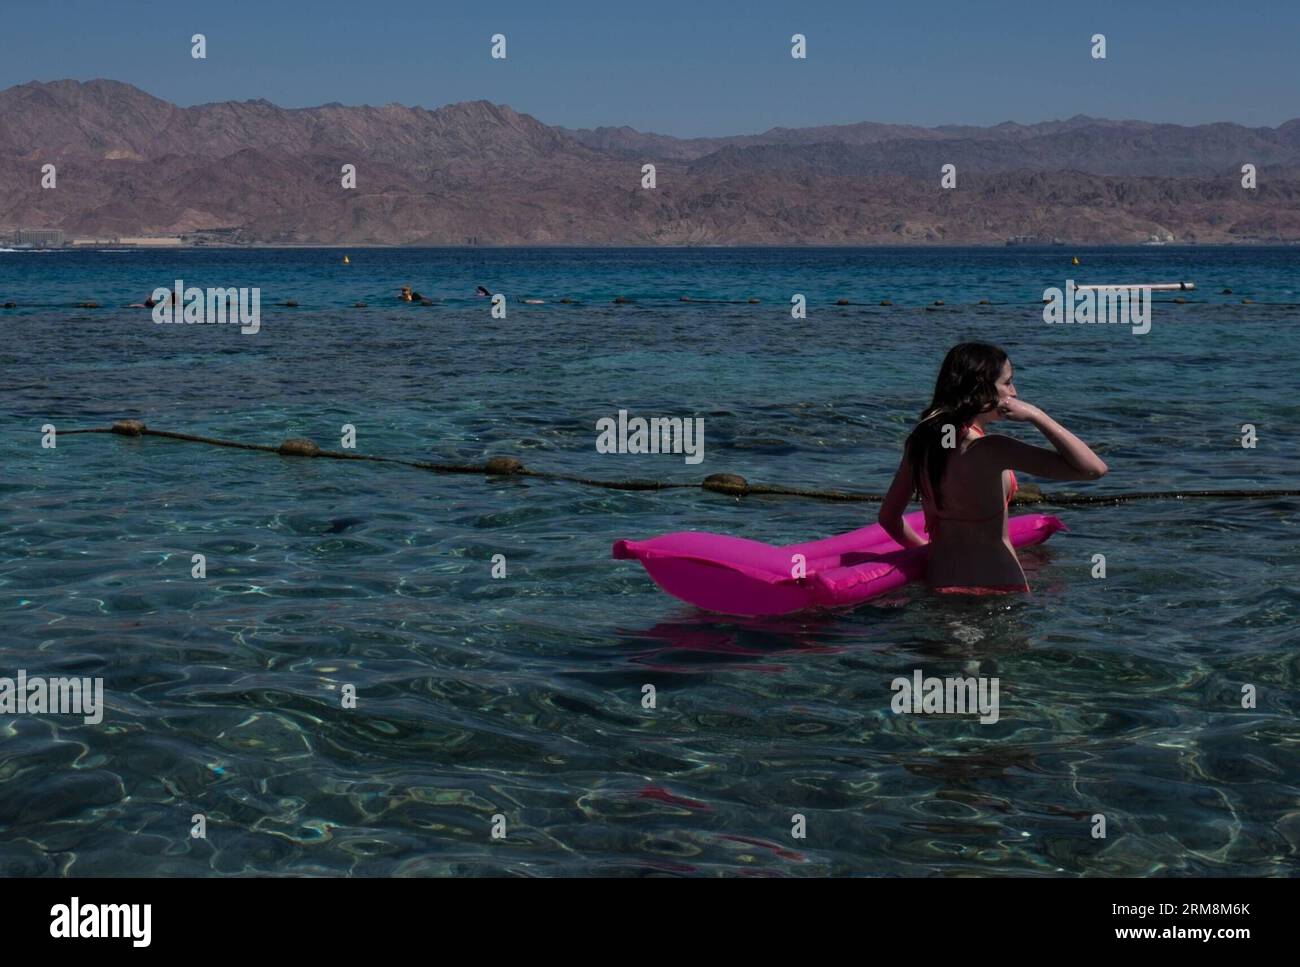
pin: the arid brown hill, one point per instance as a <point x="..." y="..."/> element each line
<point x="129" y="163"/>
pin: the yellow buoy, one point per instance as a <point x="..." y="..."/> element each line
<point x="346" y="260"/>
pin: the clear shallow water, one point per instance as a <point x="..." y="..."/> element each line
<point x="522" y="696"/>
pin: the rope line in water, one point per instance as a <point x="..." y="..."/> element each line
<point x="725" y="483"/>
<point x="933" y="305"/>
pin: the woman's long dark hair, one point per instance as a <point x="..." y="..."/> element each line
<point x="966" y="387"/>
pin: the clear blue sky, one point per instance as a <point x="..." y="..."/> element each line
<point x="708" y="67"/>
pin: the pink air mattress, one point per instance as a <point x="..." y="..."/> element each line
<point x="733" y="575"/>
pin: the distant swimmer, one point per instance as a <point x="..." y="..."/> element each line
<point x="150" y="302"/>
<point x="408" y="295"/>
<point x="482" y="291"/>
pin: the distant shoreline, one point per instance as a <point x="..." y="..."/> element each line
<point x="367" y="246"/>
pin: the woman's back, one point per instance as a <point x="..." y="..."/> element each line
<point x="969" y="545"/>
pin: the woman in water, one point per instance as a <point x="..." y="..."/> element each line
<point x="964" y="478"/>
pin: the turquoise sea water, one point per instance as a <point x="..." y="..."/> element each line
<point x="522" y="696"/>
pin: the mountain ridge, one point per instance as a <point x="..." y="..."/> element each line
<point x="130" y="163"/>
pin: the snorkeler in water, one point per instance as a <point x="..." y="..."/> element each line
<point x="150" y="302"/>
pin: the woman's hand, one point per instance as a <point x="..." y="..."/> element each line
<point x="1012" y="408"/>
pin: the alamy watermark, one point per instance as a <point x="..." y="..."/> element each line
<point x="659" y="434"/>
<point x="77" y="920"/>
<point x="194" y="305"/>
<point x="1126" y="305"/>
<point x="53" y="696"/>
<point x="946" y="696"/>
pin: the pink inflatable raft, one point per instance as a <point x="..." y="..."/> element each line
<point x="732" y="575"/>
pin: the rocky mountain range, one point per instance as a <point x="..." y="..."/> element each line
<point x="129" y="163"/>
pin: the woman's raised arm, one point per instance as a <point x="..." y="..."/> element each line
<point x="1072" y="460"/>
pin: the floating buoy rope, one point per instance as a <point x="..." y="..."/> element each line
<point x="723" y="483"/>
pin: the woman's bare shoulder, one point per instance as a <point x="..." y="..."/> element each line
<point x="1008" y="453"/>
